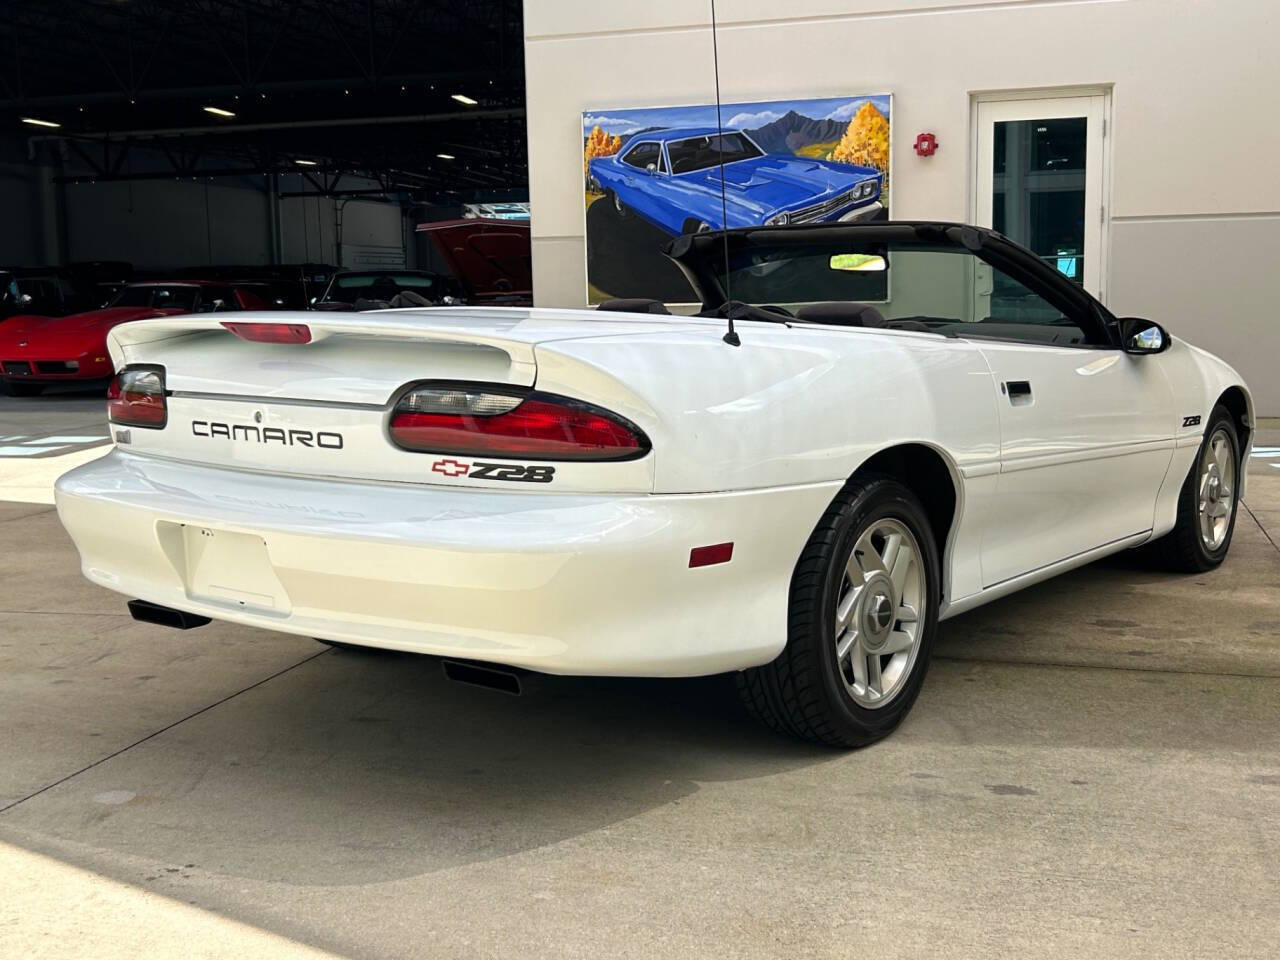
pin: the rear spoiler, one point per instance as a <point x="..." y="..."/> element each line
<point x="413" y="324"/>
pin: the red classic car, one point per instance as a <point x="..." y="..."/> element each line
<point x="38" y="351"/>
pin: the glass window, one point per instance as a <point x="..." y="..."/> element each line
<point x="643" y="154"/>
<point x="217" y="300"/>
<point x="350" y="287"/>
<point x="698" y="153"/>
<point x="1038" y="183"/>
<point x="160" y="296"/>
<point x="915" y="287"/>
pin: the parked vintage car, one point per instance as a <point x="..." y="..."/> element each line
<point x="672" y="179"/>
<point x="36" y="351"/>
<point x="909" y="420"/>
<point x="491" y="258"/>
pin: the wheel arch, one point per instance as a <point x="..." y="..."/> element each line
<point x="1237" y="401"/>
<point x="933" y="477"/>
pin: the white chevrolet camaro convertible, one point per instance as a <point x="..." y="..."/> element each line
<point x="868" y="429"/>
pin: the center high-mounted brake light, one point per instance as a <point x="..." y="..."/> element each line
<point x="500" y="422"/>
<point x="271" y="332"/>
<point x="136" y="398"/>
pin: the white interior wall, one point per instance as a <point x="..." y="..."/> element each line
<point x="1193" y="214"/>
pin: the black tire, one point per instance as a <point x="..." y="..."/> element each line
<point x="802" y="692"/>
<point x="620" y="208"/>
<point x="17" y="388"/>
<point x="1183" y="549"/>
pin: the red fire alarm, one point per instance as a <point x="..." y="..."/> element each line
<point x="926" y="144"/>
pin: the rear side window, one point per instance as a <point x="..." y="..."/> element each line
<point x="643" y="154"/>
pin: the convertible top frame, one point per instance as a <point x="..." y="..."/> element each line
<point x="702" y="257"/>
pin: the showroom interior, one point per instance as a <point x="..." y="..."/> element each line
<point x="1092" y="766"/>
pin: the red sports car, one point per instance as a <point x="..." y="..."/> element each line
<point x="38" y="351"/>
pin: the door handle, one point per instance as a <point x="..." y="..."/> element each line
<point x="1019" y="391"/>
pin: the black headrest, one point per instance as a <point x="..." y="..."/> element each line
<point x="844" y="313"/>
<point x="634" y="305"/>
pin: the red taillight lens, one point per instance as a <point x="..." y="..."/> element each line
<point x="136" y="397"/>
<point x="271" y="332"/>
<point x="479" y="421"/>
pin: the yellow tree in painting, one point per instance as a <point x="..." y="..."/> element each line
<point x="866" y="141"/>
<point x="600" y="144"/>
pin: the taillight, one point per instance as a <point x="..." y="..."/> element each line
<point x="136" y="397"/>
<point x="497" y="422"/>
<point x="271" y="332"/>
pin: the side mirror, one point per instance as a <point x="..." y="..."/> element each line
<point x="1140" y="336"/>
<point x="651" y="169"/>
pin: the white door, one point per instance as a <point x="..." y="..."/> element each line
<point x="1085" y="441"/>
<point x="1039" y="179"/>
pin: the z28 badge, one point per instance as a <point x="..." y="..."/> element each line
<point x="495" y="471"/>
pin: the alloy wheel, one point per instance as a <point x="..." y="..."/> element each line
<point x="1217" y="489"/>
<point x="879" y="613"/>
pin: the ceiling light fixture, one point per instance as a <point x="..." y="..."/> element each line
<point x="463" y="98"/>
<point x="305" y="163"/>
<point x="40" y="123"/>
<point x="446" y="156"/>
<point x="219" y="112"/>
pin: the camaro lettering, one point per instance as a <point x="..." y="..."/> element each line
<point x="531" y="473"/>
<point x="327" y="439"/>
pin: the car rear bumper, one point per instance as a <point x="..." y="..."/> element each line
<point x="561" y="583"/>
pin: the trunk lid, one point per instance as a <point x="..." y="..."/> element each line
<point x="322" y="408"/>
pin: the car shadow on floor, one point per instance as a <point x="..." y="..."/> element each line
<point x="364" y="767"/>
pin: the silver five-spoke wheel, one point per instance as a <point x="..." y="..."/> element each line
<point x="1216" y="489"/>
<point x="879" y="611"/>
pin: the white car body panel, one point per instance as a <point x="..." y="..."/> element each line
<point x="367" y="544"/>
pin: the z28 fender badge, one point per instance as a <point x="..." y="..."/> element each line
<point x="534" y="473"/>
<point x="1191" y="421"/>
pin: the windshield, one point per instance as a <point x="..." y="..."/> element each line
<point x="348" y="288"/>
<point x="160" y="296"/>
<point x="698" y="153"/>
<point x="910" y="286"/>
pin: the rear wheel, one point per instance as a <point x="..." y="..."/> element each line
<point x="17" y="388"/>
<point x="1207" y="503"/>
<point x="863" y="614"/>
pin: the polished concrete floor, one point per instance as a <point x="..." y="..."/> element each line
<point x="1092" y="770"/>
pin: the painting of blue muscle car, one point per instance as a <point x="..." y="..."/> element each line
<point x="672" y="179"/>
<point x="651" y="173"/>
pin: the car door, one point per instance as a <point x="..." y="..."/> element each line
<point x="1086" y="434"/>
